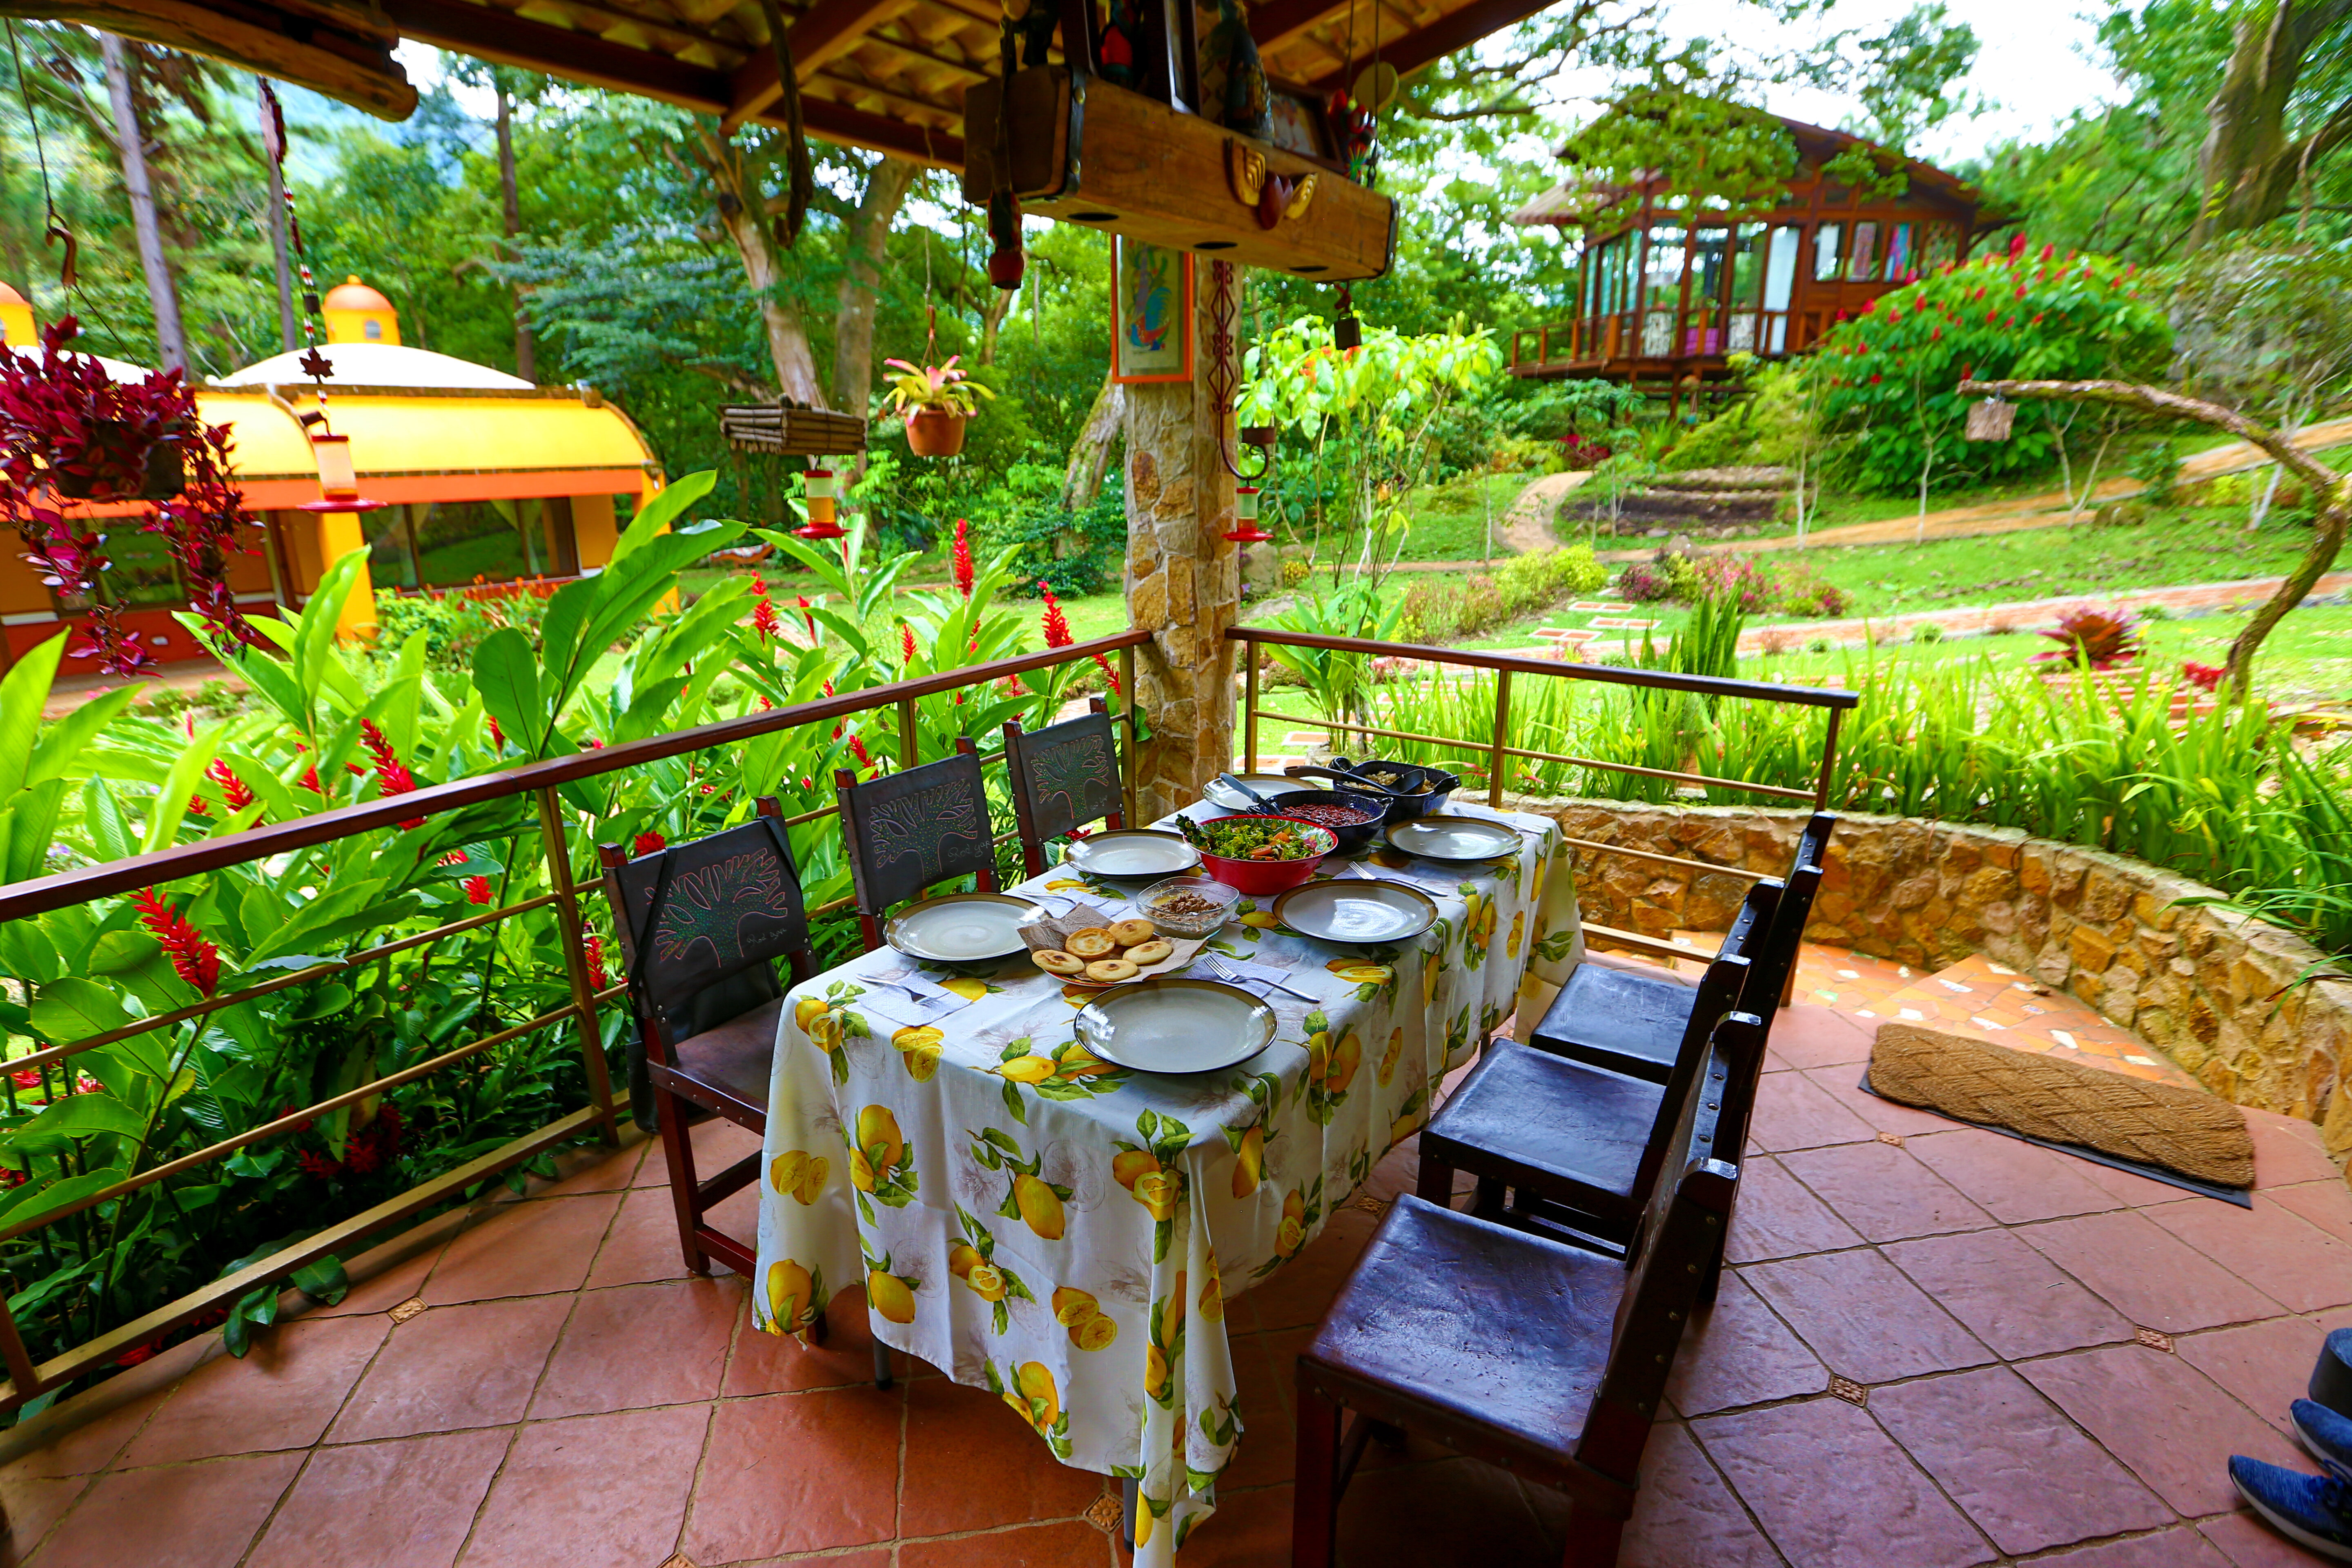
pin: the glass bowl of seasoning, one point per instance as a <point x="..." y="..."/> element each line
<point x="1188" y="906"/>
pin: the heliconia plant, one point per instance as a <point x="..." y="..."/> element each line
<point x="2100" y="638"/>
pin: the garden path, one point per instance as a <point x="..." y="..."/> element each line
<point x="1527" y="526"/>
<point x="1937" y="1347"/>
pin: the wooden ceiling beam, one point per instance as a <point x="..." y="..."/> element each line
<point x="338" y="59"/>
<point x="818" y="37"/>
<point x="1456" y="31"/>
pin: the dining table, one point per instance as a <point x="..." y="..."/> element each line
<point x="1033" y="1219"/>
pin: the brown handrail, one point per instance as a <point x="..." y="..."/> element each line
<point x="20" y="900"/>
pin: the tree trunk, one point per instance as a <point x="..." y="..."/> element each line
<point x="1090" y="456"/>
<point x="863" y="255"/>
<point x="163" y="293"/>
<point x="289" y="332"/>
<point x="2247" y="168"/>
<point x="991" y="321"/>
<point x="743" y="212"/>
<point x="526" y="348"/>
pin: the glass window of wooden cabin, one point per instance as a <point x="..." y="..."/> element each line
<point x="1900" y="256"/>
<point x="1943" y="246"/>
<point x="1665" y="256"/>
<point x="1828" y="241"/>
<point x="1780" y="285"/>
<point x="1861" y="262"/>
<point x="392" y="547"/>
<point x="1710" y="269"/>
<point x="456" y="542"/>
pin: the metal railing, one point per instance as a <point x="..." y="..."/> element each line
<point x="1702" y="332"/>
<point x="1499" y="751"/>
<point x="537" y="781"/>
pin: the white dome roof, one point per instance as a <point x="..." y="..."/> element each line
<point x="376" y="365"/>
<point x="116" y="370"/>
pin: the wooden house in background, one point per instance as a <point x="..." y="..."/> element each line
<point x="1664" y="297"/>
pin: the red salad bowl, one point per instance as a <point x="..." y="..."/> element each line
<point x="1259" y="877"/>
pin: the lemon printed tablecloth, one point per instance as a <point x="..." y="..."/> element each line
<point x="1065" y="1233"/>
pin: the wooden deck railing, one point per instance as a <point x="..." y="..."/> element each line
<point x="1500" y="750"/>
<point x="538" y="782"/>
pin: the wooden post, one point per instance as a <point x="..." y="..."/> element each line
<point x="1183" y="579"/>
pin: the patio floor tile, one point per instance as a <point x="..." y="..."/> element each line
<point x="1830" y="1486"/>
<point x="1844" y="1085"/>
<point x="2267" y="1366"/>
<point x="2271" y="1248"/>
<point x="287" y="1390"/>
<point x="1264" y="1366"/>
<point x="1737" y="1352"/>
<point x="642" y="1247"/>
<point x="2161" y="1417"/>
<point x="972" y="1464"/>
<point x="1775" y="1216"/>
<point x="2013" y="1464"/>
<point x="1298" y="1293"/>
<point x="2286" y="1150"/>
<point x="2177" y="1548"/>
<point x="522" y="1249"/>
<point x="641" y="1345"/>
<point x="1862" y="1318"/>
<point x="800" y="1472"/>
<point x="409" y="1502"/>
<point x="28" y="1506"/>
<point x="2015" y="1181"/>
<point x="454" y="1367"/>
<point x="595" y="1491"/>
<point x="1884" y="1192"/>
<point x="779" y="1363"/>
<point x="1072" y="1544"/>
<point x="1686" y="1513"/>
<point x="1810" y="1036"/>
<point x="2248" y="1543"/>
<point x="1794" y="1113"/>
<point x="2147" y="1274"/>
<point x="2326" y="1204"/>
<point x="2010" y="1296"/>
<point x="179" y="1516"/>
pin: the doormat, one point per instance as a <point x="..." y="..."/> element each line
<point x="2183" y="1137"/>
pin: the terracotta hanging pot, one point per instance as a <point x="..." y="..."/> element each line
<point x="935" y="433"/>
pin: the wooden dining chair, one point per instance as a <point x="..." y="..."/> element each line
<point x="702" y="927"/>
<point x="1628" y="1021"/>
<point x="1065" y="775"/>
<point x="1636" y="1023"/>
<point x="1545" y="1359"/>
<point x="1567" y="1148"/>
<point x="911" y="830"/>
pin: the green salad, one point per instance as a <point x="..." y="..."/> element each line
<point x="1256" y="838"/>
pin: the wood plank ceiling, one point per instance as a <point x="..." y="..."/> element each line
<point x="889" y="75"/>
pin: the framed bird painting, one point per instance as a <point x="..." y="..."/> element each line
<point x="1151" y="312"/>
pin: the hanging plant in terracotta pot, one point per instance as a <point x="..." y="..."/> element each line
<point x="934" y="401"/>
<point x="70" y="432"/>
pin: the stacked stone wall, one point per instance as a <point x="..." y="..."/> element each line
<point x="2224" y="994"/>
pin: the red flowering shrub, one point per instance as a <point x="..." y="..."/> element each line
<point x="194" y="958"/>
<point x="2101" y="638"/>
<point x="2204" y="677"/>
<point x="647" y="843"/>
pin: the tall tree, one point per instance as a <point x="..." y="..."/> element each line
<point x="865" y="239"/>
<point x="273" y="136"/>
<point x="131" y="147"/>
<point x="2258" y="148"/>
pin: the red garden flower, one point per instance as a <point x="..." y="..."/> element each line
<point x="594" y="945"/>
<point x="647" y="843"/>
<point x="497" y="736"/>
<point x="905" y="643"/>
<point x="764" y="619"/>
<point x="232" y="787"/>
<point x="194" y="958"/>
<point x="963" y="573"/>
<point x="391" y="776"/>
<point x="1057" y="624"/>
<point x="808" y="617"/>
<point x="199" y="806"/>
<point x="2204" y="677"/>
<point x="857" y="745"/>
<point x="451" y="857"/>
<point x="1109" y="674"/>
<point x="478" y="890"/>
<point x="26" y="1079"/>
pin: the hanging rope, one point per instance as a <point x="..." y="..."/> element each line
<point x="314" y="364"/>
<point x="69" y="269"/>
<point x="801" y="182"/>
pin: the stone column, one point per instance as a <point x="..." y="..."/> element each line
<point x="1183" y="583"/>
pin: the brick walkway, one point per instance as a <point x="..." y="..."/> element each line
<point x="1938" y="1347"/>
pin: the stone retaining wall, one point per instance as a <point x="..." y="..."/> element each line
<point x="2208" y="986"/>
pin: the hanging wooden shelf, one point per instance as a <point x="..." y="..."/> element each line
<point x="1087" y="152"/>
<point x="790" y="429"/>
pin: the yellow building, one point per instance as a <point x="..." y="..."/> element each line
<point x="489" y="478"/>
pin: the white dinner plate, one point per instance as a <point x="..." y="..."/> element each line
<point x="1133" y="852"/>
<point x="1176" y="1025"/>
<point x="960" y="928"/>
<point x="1267" y="785"/>
<point x="1356" y="910"/>
<point x="1463" y="839"/>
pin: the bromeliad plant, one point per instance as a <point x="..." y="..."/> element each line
<point x="933" y="388"/>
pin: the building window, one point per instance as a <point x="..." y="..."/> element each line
<point x="1828" y="241"/>
<point x="451" y="545"/>
<point x="1861" y="265"/>
<point x="1899" y="257"/>
<point x="1943" y="246"/>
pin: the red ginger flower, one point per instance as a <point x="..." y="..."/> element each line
<point x="194" y="958"/>
<point x="906" y="644"/>
<point x="595" y="947"/>
<point x="808" y="617"/>
<point x="1057" y="624"/>
<point x="478" y="890"/>
<point x="647" y="843"/>
<point x="232" y="787"/>
<point x="1109" y="674"/>
<point x="857" y="744"/>
<point x="497" y="736"/>
<point x="764" y="620"/>
<point x="391" y="778"/>
<point x="199" y="806"/>
<point x="963" y="574"/>
<point x="451" y="857"/>
<point x="2204" y="677"/>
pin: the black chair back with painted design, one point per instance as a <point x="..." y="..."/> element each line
<point x="1065" y="775"/>
<point x="912" y="829"/>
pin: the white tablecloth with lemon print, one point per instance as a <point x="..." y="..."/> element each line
<point x="1063" y="1232"/>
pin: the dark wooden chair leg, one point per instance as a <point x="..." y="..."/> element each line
<point x="1130" y="1495"/>
<point x="1315" y="1497"/>
<point x="881" y="1365"/>
<point x="677" y="1152"/>
<point x="1487" y="1203"/>
<point x="1593" y="1540"/>
<point x="1433" y="1183"/>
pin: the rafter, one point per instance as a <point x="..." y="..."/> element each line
<point x="818" y="37"/>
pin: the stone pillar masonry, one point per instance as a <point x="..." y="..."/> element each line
<point x="1183" y="583"/>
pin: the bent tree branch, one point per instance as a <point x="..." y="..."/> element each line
<point x="2330" y="490"/>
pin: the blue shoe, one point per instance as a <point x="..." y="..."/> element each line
<point x="2325" y="1434"/>
<point x="2315" y="1511"/>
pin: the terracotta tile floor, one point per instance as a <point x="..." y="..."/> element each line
<point x="2046" y="1359"/>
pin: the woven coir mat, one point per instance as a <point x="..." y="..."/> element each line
<point x="2199" y="1135"/>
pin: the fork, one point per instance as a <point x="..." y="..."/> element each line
<point x="1231" y="976"/>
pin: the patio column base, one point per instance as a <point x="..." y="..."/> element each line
<point x="1182" y="580"/>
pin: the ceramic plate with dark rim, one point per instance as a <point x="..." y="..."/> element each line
<point x="1356" y="910"/>
<point x="1133" y="852"/>
<point x="1460" y="839"/>
<point x="960" y="928"/>
<point x="1267" y="785"/>
<point x="1175" y="1026"/>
